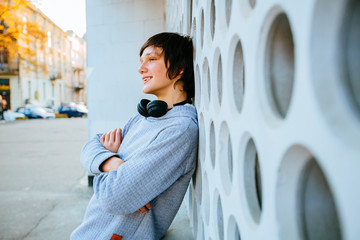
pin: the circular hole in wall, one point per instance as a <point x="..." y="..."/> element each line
<point x="218" y="73"/>
<point x="212" y="144"/>
<point x="202" y="28"/>
<point x="237" y="233"/>
<point x="206" y="72"/>
<point x="228" y="6"/>
<point x="195" y="218"/>
<point x="238" y="76"/>
<point x="225" y="157"/>
<point x="202" y="138"/>
<point x="350" y="53"/>
<point x="230" y="158"/>
<point x="279" y="65"/>
<point x="317" y="207"/>
<point x="302" y="189"/>
<point x="198" y="182"/>
<point x="219" y="79"/>
<point x="190" y="4"/>
<point x="201" y="232"/>
<point x="335" y="61"/>
<point x="212" y="19"/>
<point x="206" y="199"/>
<point x="252" y="3"/>
<point x="220" y="219"/>
<point x="198" y="84"/>
<point x="190" y="190"/>
<point x="233" y="232"/>
<point x="252" y="181"/>
<point x="194" y="38"/>
<point x="209" y="82"/>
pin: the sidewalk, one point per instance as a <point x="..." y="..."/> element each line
<point x="43" y="187"/>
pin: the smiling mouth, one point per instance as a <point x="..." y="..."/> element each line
<point x="145" y="80"/>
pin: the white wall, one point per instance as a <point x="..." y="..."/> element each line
<point x="279" y="117"/>
<point x="115" y="32"/>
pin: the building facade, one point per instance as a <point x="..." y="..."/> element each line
<point x="277" y="95"/>
<point x="59" y="76"/>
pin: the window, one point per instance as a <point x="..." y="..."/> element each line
<point x="49" y="39"/>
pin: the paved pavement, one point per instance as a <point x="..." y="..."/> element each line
<point x="42" y="195"/>
<point x="43" y="187"/>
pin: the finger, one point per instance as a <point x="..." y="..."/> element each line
<point x="102" y="138"/>
<point x="112" y="136"/>
<point x="142" y="210"/>
<point x="148" y="205"/>
<point x="107" y="136"/>
<point x="118" y="136"/>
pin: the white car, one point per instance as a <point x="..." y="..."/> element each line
<point x="35" y="111"/>
<point x="12" y="116"/>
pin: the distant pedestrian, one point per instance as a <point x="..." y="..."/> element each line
<point x="143" y="171"/>
<point x="3" y="106"/>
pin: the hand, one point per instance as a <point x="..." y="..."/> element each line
<point x="145" y="208"/>
<point x="112" y="140"/>
<point x="111" y="164"/>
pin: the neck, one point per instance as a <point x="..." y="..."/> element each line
<point x="172" y="99"/>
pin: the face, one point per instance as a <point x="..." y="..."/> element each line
<point x="153" y="72"/>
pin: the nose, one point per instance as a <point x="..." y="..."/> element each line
<point x="142" y="69"/>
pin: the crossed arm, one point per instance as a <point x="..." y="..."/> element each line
<point x="112" y="141"/>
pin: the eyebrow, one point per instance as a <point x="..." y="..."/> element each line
<point x="152" y="53"/>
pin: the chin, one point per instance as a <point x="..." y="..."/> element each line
<point x="147" y="91"/>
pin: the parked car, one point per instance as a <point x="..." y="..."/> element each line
<point x="12" y="116"/>
<point x="74" y="110"/>
<point x="51" y="113"/>
<point x="35" y="111"/>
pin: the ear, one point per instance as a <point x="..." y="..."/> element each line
<point x="179" y="75"/>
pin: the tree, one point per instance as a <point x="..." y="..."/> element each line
<point x="18" y="34"/>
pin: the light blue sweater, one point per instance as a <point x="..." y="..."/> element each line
<point x="160" y="157"/>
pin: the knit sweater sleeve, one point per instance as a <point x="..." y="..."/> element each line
<point x="153" y="170"/>
<point x="93" y="154"/>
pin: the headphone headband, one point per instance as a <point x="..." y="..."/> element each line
<point x="156" y="108"/>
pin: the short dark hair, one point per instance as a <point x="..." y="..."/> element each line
<point x="178" y="54"/>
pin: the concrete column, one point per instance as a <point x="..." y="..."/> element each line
<point x="115" y="32"/>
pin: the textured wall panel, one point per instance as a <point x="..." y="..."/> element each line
<point x="277" y="93"/>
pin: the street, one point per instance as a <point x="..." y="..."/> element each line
<point x="43" y="187"/>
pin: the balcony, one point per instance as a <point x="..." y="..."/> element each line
<point x="79" y="87"/>
<point x="11" y="68"/>
<point x="78" y="68"/>
<point x="54" y="76"/>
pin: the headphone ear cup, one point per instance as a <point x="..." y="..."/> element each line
<point x="157" y="108"/>
<point x="142" y="107"/>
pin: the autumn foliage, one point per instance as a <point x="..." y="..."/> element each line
<point x="19" y="35"/>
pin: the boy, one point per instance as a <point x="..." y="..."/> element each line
<point x="142" y="172"/>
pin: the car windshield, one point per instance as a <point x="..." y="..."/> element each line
<point x="81" y="108"/>
<point x="37" y="108"/>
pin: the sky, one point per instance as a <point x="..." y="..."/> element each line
<point x="67" y="14"/>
